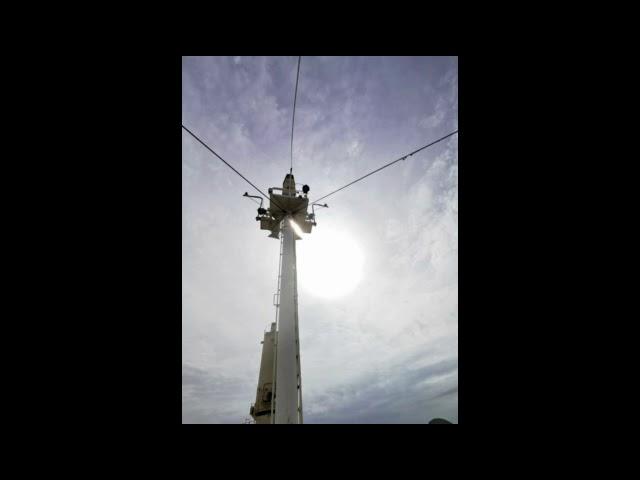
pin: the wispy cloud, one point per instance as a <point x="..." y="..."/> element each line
<point x="212" y="398"/>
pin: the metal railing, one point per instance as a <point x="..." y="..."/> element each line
<point x="288" y="194"/>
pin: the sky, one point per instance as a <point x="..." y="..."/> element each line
<point x="378" y="275"/>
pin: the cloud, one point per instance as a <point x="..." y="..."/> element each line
<point x="434" y="120"/>
<point x="398" y="394"/>
<point x="208" y="398"/>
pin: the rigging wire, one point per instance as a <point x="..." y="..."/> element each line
<point x="385" y="166"/>
<point x="230" y="166"/>
<point x="293" y="120"/>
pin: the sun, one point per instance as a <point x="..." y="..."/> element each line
<point x="330" y="263"/>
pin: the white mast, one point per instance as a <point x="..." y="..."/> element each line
<point x="287" y="217"/>
<point x="287" y="374"/>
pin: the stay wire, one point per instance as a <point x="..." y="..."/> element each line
<point x="385" y="166"/>
<point x="229" y="165"/>
<point x="293" y="120"/>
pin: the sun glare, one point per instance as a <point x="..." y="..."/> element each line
<point x="330" y="263"/>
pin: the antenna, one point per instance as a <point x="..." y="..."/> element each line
<point x="293" y="119"/>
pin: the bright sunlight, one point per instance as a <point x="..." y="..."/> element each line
<point x="330" y="263"/>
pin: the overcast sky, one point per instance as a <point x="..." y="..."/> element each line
<point x="387" y="350"/>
